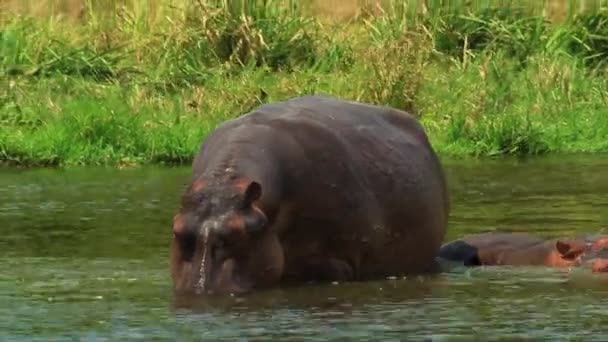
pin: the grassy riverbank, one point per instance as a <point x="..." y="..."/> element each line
<point x="146" y="83"/>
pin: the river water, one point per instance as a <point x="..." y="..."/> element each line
<point x="84" y="256"/>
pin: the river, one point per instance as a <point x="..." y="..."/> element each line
<point x="84" y="256"/>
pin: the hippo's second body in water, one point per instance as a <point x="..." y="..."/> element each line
<point x="310" y="189"/>
<point x="517" y="249"/>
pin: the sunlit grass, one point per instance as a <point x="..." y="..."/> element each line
<point x="145" y="81"/>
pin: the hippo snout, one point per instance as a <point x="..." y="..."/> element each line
<point x="226" y="278"/>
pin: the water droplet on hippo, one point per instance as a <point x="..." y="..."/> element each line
<point x="202" y="272"/>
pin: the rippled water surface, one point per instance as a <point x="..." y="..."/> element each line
<point x="83" y="256"/>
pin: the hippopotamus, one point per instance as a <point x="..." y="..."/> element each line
<point x="311" y="189"/>
<point x="517" y="249"/>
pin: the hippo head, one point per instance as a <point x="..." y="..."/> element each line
<point x="599" y="265"/>
<point x="221" y="241"/>
<point x="599" y="255"/>
<point x="593" y="252"/>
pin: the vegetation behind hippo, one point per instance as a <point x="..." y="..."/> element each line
<point x="142" y="84"/>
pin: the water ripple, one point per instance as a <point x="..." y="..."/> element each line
<point x="84" y="253"/>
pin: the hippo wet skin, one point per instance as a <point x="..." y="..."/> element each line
<point x="310" y="189"/>
<point x="518" y="249"/>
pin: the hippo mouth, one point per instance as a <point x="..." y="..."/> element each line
<point x="221" y="278"/>
<point x="218" y="276"/>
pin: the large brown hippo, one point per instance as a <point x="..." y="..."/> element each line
<point x="516" y="249"/>
<point x="310" y="189"/>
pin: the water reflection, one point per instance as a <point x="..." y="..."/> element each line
<point x="84" y="255"/>
<point x="326" y="296"/>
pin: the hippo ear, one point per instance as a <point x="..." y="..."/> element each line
<point x="255" y="220"/>
<point x="570" y="249"/>
<point x="253" y="192"/>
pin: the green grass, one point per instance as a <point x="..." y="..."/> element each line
<point x="131" y="88"/>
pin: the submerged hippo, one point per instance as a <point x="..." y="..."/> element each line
<point x="310" y="189"/>
<point x="525" y="249"/>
